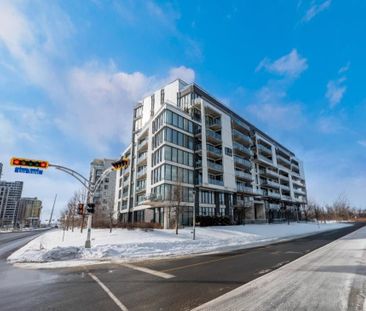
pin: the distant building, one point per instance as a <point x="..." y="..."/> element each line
<point x="104" y="196"/>
<point x="29" y="212"/>
<point x="1" y="170"/>
<point x="10" y="194"/>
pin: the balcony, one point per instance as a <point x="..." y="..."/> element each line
<point x="142" y="159"/>
<point x="242" y="138"/>
<point x="213" y="137"/>
<point x="243" y="163"/>
<point x="142" y="146"/>
<point x="214" y="166"/>
<point x="270" y="184"/>
<point x="265" y="160"/>
<point x="239" y="149"/>
<point x="274" y="195"/>
<point x="284" y="161"/>
<point x="299" y="190"/>
<point x="141" y="188"/>
<point x="285" y="187"/>
<point x="141" y="174"/>
<point x="216" y="182"/>
<point x="243" y="175"/>
<point x="214" y="124"/>
<point x="245" y="189"/>
<point x="264" y="149"/>
<point x="240" y="125"/>
<point x="286" y="198"/>
<point x="297" y="182"/>
<point x="284" y="177"/>
<point x="125" y="194"/>
<point x="213" y="152"/>
<point x="268" y="173"/>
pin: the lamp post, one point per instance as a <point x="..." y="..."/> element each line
<point x="194" y="214"/>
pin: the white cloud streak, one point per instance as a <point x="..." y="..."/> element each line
<point x="315" y="8"/>
<point x="290" y="65"/>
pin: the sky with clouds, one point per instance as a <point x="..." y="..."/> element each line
<point x="71" y="71"/>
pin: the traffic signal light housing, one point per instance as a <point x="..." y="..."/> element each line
<point x="90" y="207"/>
<point x="29" y="163"/>
<point x="120" y="164"/>
<point x="80" y="209"/>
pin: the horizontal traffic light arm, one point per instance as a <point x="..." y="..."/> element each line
<point x="29" y="163"/>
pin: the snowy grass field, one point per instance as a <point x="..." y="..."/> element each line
<point x="134" y="245"/>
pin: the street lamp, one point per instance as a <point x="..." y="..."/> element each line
<point x="194" y="214"/>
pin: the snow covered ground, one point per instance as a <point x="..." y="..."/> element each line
<point x="134" y="245"/>
<point x="332" y="277"/>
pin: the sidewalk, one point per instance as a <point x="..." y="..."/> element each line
<point x="331" y="278"/>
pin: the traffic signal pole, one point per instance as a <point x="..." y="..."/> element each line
<point x="91" y="187"/>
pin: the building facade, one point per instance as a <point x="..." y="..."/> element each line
<point x="29" y="212"/>
<point x="185" y="141"/>
<point x="10" y="194"/>
<point x="104" y="195"/>
<point x="1" y="170"/>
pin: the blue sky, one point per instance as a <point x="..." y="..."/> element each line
<point x="71" y="71"/>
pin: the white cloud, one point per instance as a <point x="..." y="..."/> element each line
<point x="315" y="8"/>
<point x="335" y="91"/>
<point x="290" y="65"/>
<point x="271" y="106"/>
<point x="94" y="101"/>
<point x="329" y="125"/>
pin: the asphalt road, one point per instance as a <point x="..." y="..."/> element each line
<point x="193" y="281"/>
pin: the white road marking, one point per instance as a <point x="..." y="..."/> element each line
<point x="149" y="271"/>
<point x="110" y="294"/>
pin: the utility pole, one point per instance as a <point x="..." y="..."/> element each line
<point x="53" y="208"/>
<point x="194" y="214"/>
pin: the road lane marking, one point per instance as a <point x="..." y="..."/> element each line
<point x="110" y="294"/>
<point x="149" y="271"/>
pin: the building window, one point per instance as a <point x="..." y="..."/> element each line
<point x="152" y="104"/>
<point x="162" y="97"/>
<point x="228" y="151"/>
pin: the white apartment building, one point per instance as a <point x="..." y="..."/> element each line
<point x="184" y="138"/>
<point x="104" y="195"/>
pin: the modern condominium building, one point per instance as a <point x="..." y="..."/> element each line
<point x="185" y="141"/>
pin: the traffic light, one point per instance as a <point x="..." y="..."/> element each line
<point x="81" y="209"/>
<point x="90" y="208"/>
<point x="120" y="164"/>
<point x="29" y="163"/>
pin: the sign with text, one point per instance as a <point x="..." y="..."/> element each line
<point x="25" y="170"/>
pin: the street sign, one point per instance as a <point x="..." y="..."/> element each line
<point x="25" y="170"/>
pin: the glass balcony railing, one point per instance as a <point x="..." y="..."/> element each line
<point x="215" y="150"/>
<point x="243" y="175"/>
<point x="246" y="189"/>
<point x="216" y="182"/>
<point x="242" y="137"/>
<point x="212" y="134"/>
<point x="242" y="149"/>
<point x="242" y="162"/>
<point x="141" y="173"/>
<point x="215" y="166"/>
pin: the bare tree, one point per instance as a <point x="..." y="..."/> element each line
<point x="242" y="207"/>
<point x="342" y="207"/>
<point x="177" y="198"/>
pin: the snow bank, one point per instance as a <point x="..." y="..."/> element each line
<point x="133" y="245"/>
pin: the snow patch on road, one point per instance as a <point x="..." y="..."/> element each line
<point x="134" y="245"/>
